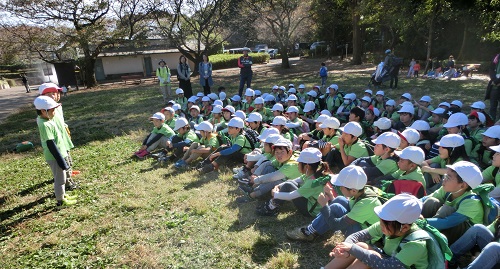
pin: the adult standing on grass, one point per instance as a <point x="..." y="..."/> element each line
<point x="25" y="82"/>
<point x="495" y="86"/>
<point x="163" y="74"/>
<point x="245" y="64"/>
<point x="206" y="81"/>
<point x="184" y="76"/>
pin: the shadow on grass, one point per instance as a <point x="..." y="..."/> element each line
<point x="27" y="191"/>
<point x="203" y="179"/>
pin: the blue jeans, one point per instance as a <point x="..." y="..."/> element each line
<point x="481" y="236"/>
<point x="338" y="209"/>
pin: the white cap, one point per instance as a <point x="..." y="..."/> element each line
<point x="218" y="103"/>
<point x="236" y="98"/>
<point x="180" y="122"/>
<point x="292" y="109"/>
<point x="309" y="155"/>
<point x="204" y="126"/>
<point x="403" y="208"/>
<point x="325" y="112"/>
<point x="406" y="103"/>
<point x="469" y="172"/>
<point x="383" y="123"/>
<point x="195" y="107"/>
<point x="282" y="88"/>
<point x="171" y="110"/>
<point x="273" y="138"/>
<point x="222" y="95"/>
<point x="438" y="111"/>
<point x="327" y="90"/>
<point x="390" y="103"/>
<point x="380" y="93"/>
<point x="493" y="132"/>
<point x="257" y="92"/>
<point x="249" y="92"/>
<point x="267" y="132"/>
<point x="316" y="86"/>
<point x="312" y="93"/>
<point x="258" y="101"/>
<point x="179" y="91"/>
<point x="331" y="122"/>
<point x="389" y="139"/>
<point x="217" y="109"/>
<point x="413" y="153"/>
<point x="193" y="99"/>
<point x="254" y="117"/>
<point x="283" y="142"/>
<point x="352" y="128"/>
<point x="478" y="105"/>
<point x="421" y="125"/>
<point x="349" y="96"/>
<point x="240" y="114"/>
<point x="351" y="177"/>
<point x="451" y="141"/>
<point x="366" y="98"/>
<point x="229" y="108"/>
<point x="457" y="103"/>
<point x="322" y="118"/>
<point x="45" y="103"/>
<point x="302" y="86"/>
<point x="406" y="95"/>
<point x="275" y="87"/>
<point x="407" y="109"/>
<point x="369" y="91"/>
<point x="334" y="86"/>
<point x="278" y="107"/>
<point x="205" y="99"/>
<point x="291" y="85"/>
<point x="292" y="90"/>
<point x="446" y="104"/>
<point x="269" y="98"/>
<point x="279" y="120"/>
<point x="177" y="107"/>
<point x="309" y="106"/>
<point x="426" y="98"/>
<point x="292" y="97"/>
<point x="172" y="102"/>
<point x="495" y="148"/>
<point x="376" y="112"/>
<point x="48" y="87"/>
<point x="200" y="94"/>
<point x="410" y="135"/>
<point x="480" y="116"/>
<point x="236" y="122"/>
<point x="157" y="116"/>
<point x="213" y="96"/>
<point x="456" y="119"/>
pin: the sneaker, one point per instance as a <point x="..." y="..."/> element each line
<point x="266" y="211"/>
<point x="181" y="164"/>
<point x="158" y="155"/>
<point x="236" y="170"/>
<point x="245" y="189"/>
<point x="138" y="152"/>
<point x="206" y="169"/>
<point x="65" y="202"/>
<point x="241" y="174"/>
<point x="143" y="154"/>
<point x="245" y="181"/>
<point x="300" y="235"/>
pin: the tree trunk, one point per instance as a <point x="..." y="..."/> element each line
<point x="464" y="41"/>
<point x="356" y="35"/>
<point x="89" y="72"/>
<point x="285" y="62"/>
<point x="429" y="44"/>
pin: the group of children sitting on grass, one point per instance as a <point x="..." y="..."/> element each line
<point x="404" y="182"/>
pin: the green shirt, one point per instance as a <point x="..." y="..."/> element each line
<point x="289" y="168"/>
<point x="412" y="253"/>
<point x="471" y="208"/>
<point x="416" y="175"/>
<point x="191" y="136"/>
<point x="50" y="131"/>
<point x="362" y="211"/>
<point x="311" y="194"/>
<point x="59" y="120"/>
<point x="356" y="150"/>
<point x="241" y="141"/>
<point x="442" y="162"/>
<point x="164" y="130"/>
<point x="212" y="142"/>
<point x="488" y="176"/>
<point x="334" y="140"/>
<point x="171" y="123"/>
<point x="386" y="166"/>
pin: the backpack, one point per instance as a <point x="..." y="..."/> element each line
<point x="323" y="72"/>
<point x="369" y="147"/>
<point x="252" y="137"/>
<point x="406" y="186"/>
<point x="491" y="206"/>
<point x="438" y="251"/>
<point x="397" y="61"/>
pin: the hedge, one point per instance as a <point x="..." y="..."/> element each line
<point x="222" y="61"/>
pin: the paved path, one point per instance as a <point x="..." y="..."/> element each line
<point x="13" y="99"/>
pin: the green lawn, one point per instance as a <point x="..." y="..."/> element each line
<point x="138" y="214"/>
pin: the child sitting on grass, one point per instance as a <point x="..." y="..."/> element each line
<point x="160" y="136"/>
<point x="180" y="141"/>
<point x="209" y="142"/>
<point x="54" y="148"/>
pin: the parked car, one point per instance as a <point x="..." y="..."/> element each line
<point x="260" y="47"/>
<point x="318" y="45"/>
<point x="272" y="53"/>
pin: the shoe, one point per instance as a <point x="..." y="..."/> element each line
<point x="143" y="154"/>
<point x="66" y="202"/>
<point x="71" y="185"/>
<point x="245" y="181"/>
<point x="236" y="170"/>
<point x="246" y="189"/>
<point x="266" y="211"/>
<point x="300" y="235"/>
<point x="70" y="197"/>
<point x="242" y="174"/>
<point x="158" y="155"/>
<point x="181" y="164"/>
<point x="206" y="169"/>
<point x="139" y="152"/>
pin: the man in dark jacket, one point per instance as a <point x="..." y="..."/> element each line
<point x="245" y="64"/>
<point x="495" y="86"/>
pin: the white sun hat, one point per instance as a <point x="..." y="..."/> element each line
<point x="451" y="141"/>
<point x="469" y="173"/>
<point x="351" y="177"/>
<point x="389" y="139"/>
<point x="403" y="208"/>
<point x="310" y="155"/>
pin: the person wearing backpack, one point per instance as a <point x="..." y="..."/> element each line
<point x="392" y="65"/>
<point x="491" y="174"/>
<point x="452" y="209"/>
<point x="323" y="74"/>
<point x="397" y="221"/>
<point x="349" y="212"/>
<point x="234" y="152"/>
<point x="209" y="142"/>
<point x="349" y="148"/>
<point x="334" y="99"/>
<point x="491" y="137"/>
<point x="163" y="74"/>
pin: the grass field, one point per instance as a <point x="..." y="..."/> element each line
<point x="136" y="214"/>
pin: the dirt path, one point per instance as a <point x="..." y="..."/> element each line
<point x="14" y="99"/>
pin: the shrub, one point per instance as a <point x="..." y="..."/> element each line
<point x="222" y="61"/>
<point x="11" y="82"/>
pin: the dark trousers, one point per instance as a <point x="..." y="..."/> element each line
<point x="235" y="158"/>
<point x="334" y="160"/>
<point x="206" y="88"/>
<point x="300" y="203"/>
<point x="245" y="78"/>
<point x="494" y="98"/>
<point x="186" y="86"/>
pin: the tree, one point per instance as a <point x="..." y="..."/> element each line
<point x="195" y="27"/>
<point x="287" y="20"/>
